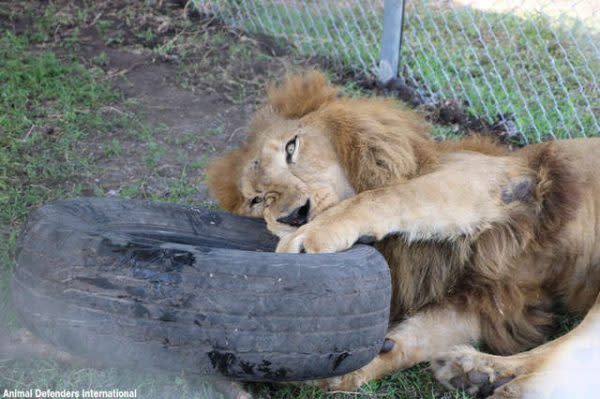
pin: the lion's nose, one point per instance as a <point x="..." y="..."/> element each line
<point x="298" y="217"/>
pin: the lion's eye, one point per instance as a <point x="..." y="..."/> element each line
<point x="255" y="200"/>
<point x="290" y="149"/>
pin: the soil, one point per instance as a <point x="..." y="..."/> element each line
<point x="184" y="96"/>
<point x="149" y="85"/>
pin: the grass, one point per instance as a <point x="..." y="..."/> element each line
<point x="416" y="382"/>
<point x="539" y="72"/>
<point x="528" y="66"/>
<point x="45" y="106"/>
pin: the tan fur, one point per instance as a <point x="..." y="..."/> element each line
<point x="223" y="176"/>
<point x="466" y="226"/>
<point x="301" y="96"/>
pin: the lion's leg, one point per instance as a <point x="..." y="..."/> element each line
<point x="428" y="207"/>
<point x="566" y="364"/>
<point x="417" y="339"/>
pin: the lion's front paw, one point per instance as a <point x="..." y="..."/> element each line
<point x="319" y="237"/>
<point x="477" y="373"/>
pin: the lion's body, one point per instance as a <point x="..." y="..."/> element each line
<point x="481" y="242"/>
<point x="511" y="274"/>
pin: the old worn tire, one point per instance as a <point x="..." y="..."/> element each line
<point x="138" y="284"/>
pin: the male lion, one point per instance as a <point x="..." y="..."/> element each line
<point x="481" y="242"/>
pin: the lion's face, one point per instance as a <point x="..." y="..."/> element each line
<point x="308" y="149"/>
<point x="289" y="174"/>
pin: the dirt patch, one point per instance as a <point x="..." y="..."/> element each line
<point x="184" y="126"/>
<point x="190" y="85"/>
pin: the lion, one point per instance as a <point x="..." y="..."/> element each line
<point x="482" y="242"/>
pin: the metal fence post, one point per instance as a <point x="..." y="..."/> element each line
<point x="391" y="40"/>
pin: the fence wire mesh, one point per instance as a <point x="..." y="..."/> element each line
<point x="535" y="63"/>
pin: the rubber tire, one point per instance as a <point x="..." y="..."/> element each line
<point x="150" y="285"/>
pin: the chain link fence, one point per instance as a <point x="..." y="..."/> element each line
<point x="534" y="63"/>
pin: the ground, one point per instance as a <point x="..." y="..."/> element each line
<point x="131" y="99"/>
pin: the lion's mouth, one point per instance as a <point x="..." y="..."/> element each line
<point x="298" y="216"/>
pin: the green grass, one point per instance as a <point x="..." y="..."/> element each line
<point x="528" y="66"/>
<point x="414" y="383"/>
<point x="45" y="106"/>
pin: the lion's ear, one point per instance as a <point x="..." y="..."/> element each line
<point x="300" y="94"/>
<point x="223" y="175"/>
